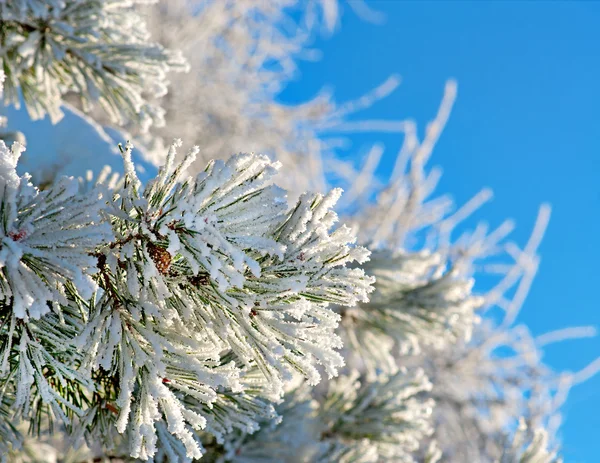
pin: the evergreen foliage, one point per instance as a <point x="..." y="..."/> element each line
<point x="207" y="313"/>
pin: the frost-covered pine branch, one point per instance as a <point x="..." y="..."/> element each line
<point x="479" y="390"/>
<point x="528" y="449"/>
<point x="193" y="316"/>
<point x="354" y="420"/>
<point x="245" y="54"/>
<point x="381" y="420"/>
<point x="98" y="50"/>
<point x="417" y="303"/>
<point x="145" y="326"/>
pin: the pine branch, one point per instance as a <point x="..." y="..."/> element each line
<point x="193" y="268"/>
<point x="96" y="49"/>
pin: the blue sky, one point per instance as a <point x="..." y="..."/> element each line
<point x="525" y="124"/>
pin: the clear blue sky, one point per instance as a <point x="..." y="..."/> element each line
<point x="526" y="124"/>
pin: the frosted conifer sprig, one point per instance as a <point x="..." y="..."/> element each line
<point x="46" y="239"/>
<point x="235" y="414"/>
<point x="207" y="269"/>
<point x="9" y="435"/>
<point x="529" y="447"/>
<point x="100" y="50"/>
<point x="417" y="303"/>
<point x="289" y="301"/>
<point x="370" y="421"/>
<point x="40" y="368"/>
<point x="45" y="267"/>
<point x="356" y="420"/>
<point x="293" y="437"/>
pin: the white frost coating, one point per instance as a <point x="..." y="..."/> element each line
<point x="372" y="421"/>
<point x="417" y="303"/>
<point x="46" y="237"/>
<point x="54" y="48"/>
<point x="355" y="420"/>
<point x="212" y="294"/>
<point x="528" y="447"/>
<point x="212" y="265"/>
<point x="245" y="54"/>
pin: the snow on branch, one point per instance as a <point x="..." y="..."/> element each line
<point x="417" y="303"/>
<point x="529" y="450"/>
<point x="99" y="50"/>
<point x="354" y="420"/>
<point x="204" y="266"/>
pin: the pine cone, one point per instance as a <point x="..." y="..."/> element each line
<point x="161" y="257"/>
